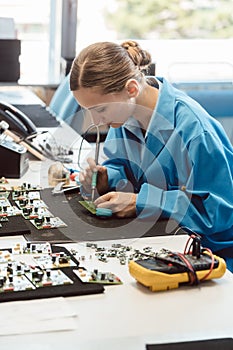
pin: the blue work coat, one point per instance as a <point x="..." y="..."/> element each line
<point x="182" y="168"/>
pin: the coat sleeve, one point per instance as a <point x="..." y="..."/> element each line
<point x="116" y="174"/>
<point x="119" y="167"/>
<point x="205" y="202"/>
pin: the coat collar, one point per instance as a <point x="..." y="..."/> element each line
<point x="162" y="120"/>
<point x="159" y="130"/>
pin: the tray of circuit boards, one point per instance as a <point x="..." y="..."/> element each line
<point x="40" y="270"/>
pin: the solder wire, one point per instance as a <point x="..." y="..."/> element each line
<point x="97" y="147"/>
<point x="97" y="144"/>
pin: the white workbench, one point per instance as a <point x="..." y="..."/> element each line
<point x="128" y="316"/>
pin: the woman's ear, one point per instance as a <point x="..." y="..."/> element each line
<point x="132" y="88"/>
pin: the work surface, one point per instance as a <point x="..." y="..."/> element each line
<point x="129" y="316"/>
<point x="124" y="317"/>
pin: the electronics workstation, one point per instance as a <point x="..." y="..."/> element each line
<point x="78" y="276"/>
<point x="76" y="280"/>
<point x="73" y="277"/>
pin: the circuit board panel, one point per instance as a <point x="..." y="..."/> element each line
<point x="40" y="270"/>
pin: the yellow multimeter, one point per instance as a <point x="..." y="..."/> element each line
<point x="163" y="272"/>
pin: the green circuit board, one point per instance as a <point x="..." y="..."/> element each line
<point x="89" y="206"/>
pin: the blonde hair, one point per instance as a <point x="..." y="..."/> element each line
<point x="107" y="66"/>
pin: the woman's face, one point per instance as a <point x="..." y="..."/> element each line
<point x="110" y="109"/>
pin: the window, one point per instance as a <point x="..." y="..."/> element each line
<point x="39" y="59"/>
<point x="188" y="39"/>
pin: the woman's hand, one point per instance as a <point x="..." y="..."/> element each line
<point x="85" y="177"/>
<point x="122" y="204"/>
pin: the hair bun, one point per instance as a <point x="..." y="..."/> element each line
<point x="140" y="57"/>
<point x="128" y="44"/>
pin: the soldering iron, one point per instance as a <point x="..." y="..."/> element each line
<point x="95" y="173"/>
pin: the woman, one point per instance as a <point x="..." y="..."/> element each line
<point x="167" y="158"/>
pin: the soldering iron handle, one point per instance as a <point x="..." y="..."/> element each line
<point x="94" y="179"/>
<point x="97" y="145"/>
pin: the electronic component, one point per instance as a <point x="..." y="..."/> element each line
<point x="26" y="190"/>
<point x="89" y="205"/>
<point x="45" y="278"/>
<point x="101" y="212"/>
<point x="54" y="260"/>
<point x="15" y="283"/>
<point x="30" y="203"/>
<point x="47" y="222"/>
<point x="10" y="211"/>
<point x="6" y="209"/>
<point x="31" y="212"/>
<point x="97" y="276"/>
<point x="37" y="248"/>
<point x="4" y="202"/>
